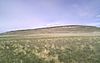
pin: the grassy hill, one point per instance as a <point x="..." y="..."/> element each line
<point x="68" y="29"/>
<point x="59" y="44"/>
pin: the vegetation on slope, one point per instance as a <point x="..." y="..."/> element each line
<point x="55" y="46"/>
<point x="56" y="29"/>
<point x="70" y="49"/>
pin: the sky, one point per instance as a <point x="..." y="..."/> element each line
<point x="30" y="14"/>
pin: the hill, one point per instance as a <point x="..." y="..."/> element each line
<point x="59" y="44"/>
<point x="56" y="30"/>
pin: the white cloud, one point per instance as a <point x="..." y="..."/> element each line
<point x="98" y="16"/>
<point x="83" y="11"/>
<point x="94" y="24"/>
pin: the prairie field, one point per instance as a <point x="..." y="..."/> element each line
<point x="49" y="31"/>
<point x="55" y="48"/>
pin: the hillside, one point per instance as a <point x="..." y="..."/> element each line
<point x="56" y="29"/>
<point x="59" y="44"/>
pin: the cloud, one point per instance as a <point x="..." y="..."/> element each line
<point x="83" y="11"/>
<point x="98" y="16"/>
<point x="95" y="23"/>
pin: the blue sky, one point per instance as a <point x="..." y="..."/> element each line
<point x="29" y="14"/>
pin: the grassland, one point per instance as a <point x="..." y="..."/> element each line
<point x="16" y="47"/>
<point x="57" y="49"/>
